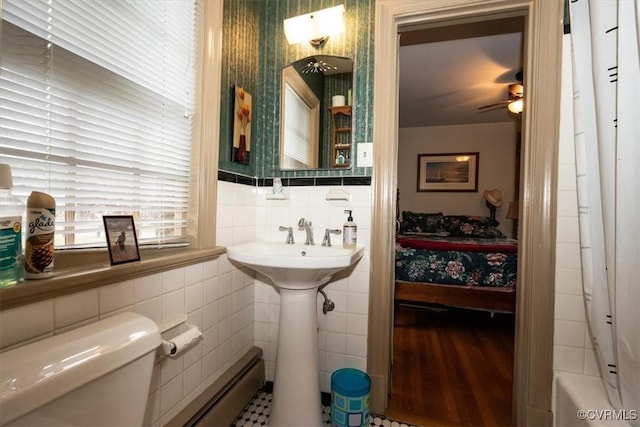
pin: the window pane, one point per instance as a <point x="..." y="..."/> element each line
<point x="102" y="122"/>
<point x="297" y="130"/>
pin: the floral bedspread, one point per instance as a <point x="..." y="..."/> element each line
<point x="477" y="262"/>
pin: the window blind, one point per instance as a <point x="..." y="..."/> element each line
<point x="96" y="100"/>
<point x="297" y="128"/>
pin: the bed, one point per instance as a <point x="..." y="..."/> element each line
<point x="455" y="260"/>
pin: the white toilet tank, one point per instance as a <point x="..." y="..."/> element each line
<point x="95" y="375"/>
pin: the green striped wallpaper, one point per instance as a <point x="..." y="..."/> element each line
<point x="255" y="50"/>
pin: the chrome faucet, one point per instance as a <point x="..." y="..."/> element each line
<point x="306" y="225"/>
<point x="326" y="240"/>
<point x="289" y="231"/>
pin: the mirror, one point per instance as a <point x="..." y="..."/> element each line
<point x="316" y="112"/>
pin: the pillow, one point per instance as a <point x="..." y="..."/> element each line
<point x="421" y="222"/>
<point x="471" y="226"/>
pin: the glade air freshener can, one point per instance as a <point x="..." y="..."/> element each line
<point x="41" y="221"/>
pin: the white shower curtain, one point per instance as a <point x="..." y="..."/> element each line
<point x="606" y="61"/>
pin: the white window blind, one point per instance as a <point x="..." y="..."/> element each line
<point x="297" y="130"/>
<point x="96" y="100"/>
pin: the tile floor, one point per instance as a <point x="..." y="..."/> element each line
<point x="256" y="413"/>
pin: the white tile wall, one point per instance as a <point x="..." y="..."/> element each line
<point x="76" y="308"/>
<point x="572" y="347"/>
<point x="342" y="333"/>
<point x="236" y="214"/>
<point x="30" y="322"/>
<point x="194" y="291"/>
<point x="233" y="310"/>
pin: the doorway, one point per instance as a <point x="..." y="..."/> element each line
<point x="452" y="366"/>
<point x="534" y="323"/>
<point x="454" y="363"/>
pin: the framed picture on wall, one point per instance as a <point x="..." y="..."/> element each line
<point x="241" y="145"/>
<point x="448" y="172"/>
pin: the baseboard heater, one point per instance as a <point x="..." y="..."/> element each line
<point x="223" y="400"/>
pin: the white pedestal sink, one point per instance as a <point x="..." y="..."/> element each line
<point x="298" y="271"/>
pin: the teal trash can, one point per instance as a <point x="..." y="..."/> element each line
<point x="350" y="390"/>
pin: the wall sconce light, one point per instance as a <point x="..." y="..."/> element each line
<point x="514" y="210"/>
<point x="513" y="213"/>
<point x="315" y="27"/>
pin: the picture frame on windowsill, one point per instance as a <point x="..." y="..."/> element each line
<point x="122" y="241"/>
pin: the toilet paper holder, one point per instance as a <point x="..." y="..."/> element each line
<point x="177" y="337"/>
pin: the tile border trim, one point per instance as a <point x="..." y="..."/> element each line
<point x="294" y="182"/>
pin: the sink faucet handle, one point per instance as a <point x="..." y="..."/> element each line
<point x="289" y="231"/>
<point x="326" y="240"/>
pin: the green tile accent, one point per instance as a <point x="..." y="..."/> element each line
<point x="255" y="50"/>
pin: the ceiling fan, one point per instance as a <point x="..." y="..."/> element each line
<point x="514" y="99"/>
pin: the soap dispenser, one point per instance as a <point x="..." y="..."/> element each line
<point x="349" y="232"/>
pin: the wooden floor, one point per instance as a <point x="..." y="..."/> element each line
<point x="452" y="368"/>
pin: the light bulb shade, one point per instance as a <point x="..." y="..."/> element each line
<point x="315" y="25"/>
<point x="514" y="210"/>
<point x="516" y="90"/>
<point x="515" y="106"/>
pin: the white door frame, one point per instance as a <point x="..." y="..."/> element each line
<point x="540" y="128"/>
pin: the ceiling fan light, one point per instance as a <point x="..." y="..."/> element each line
<point x="516" y="90"/>
<point x="516" y="106"/>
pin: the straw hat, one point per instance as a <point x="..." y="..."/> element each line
<point x="494" y="197"/>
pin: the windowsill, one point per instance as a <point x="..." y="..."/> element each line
<point x="98" y="272"/>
